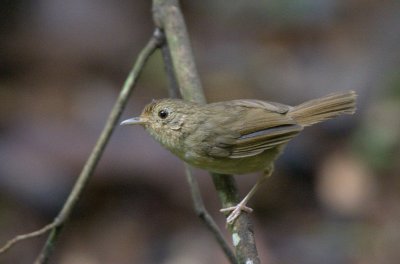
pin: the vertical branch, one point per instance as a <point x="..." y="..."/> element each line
<point x="242" y="229"/>
<point x="167" y="16"/>
<point x="173" y="88"/>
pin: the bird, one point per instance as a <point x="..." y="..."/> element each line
<point x="238" y="136"/>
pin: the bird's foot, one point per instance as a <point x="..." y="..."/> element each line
<point x="236" y="210"/>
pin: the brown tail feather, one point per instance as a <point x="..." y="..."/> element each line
<point x="320" y="109"/>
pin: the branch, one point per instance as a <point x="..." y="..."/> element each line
<point x="199" y="207"/>
<point x="167" y="16"/>
<point x="98" y="149"/>
<point x="33" y="234"/>
<point x="242" y="229"/>
<point x="58" y="223"/>
<point x="173" y="88"/>
<point x="203" y="214"/>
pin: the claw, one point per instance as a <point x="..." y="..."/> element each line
<point x="236" y="210"/>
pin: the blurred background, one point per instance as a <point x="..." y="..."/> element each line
<point x="334" y="197"/>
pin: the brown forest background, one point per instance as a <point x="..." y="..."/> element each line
<point x="335" y="195"/>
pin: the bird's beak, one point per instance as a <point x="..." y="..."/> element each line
<point x="134" y="121"/>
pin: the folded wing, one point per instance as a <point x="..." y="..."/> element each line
<point x="262" y="125"/>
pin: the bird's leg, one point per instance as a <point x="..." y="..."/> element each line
<point x="237" y="209"/>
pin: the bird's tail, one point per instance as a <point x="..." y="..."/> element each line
<point x="327" y="107"/>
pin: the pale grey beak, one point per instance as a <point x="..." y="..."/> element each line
<point x="134" y="121"/>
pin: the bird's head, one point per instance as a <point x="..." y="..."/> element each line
<point x="164" y="119"/>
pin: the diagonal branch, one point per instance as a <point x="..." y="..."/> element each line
<point x="97" y="151"/>
<point x="58" y="223"/>
<point x="203" y="214"/>
<point x="22" y="237"/>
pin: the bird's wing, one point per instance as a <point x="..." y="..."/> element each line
<point x="261" y="126"/>
<point x="266" y="105"/>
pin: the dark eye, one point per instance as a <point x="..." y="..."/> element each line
<point x="163" y="113"/>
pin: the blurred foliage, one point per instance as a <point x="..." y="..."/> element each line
<point x="377" y="140"/>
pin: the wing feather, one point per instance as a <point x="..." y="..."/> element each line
<point x="263" y="125"/>
<point x="248" y="145"/>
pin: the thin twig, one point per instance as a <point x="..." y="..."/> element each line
<point x="173" y="88"/>
<point x="93" y="159"/>
<point x="203" y="214"/>
<point x="168" y="16"/>
<point x="98" y="149"/>
<point x="33" y="234"/>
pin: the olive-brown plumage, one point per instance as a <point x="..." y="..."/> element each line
<point x="235" y="137"/>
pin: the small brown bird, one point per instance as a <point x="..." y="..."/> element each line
<point x="235" y="137"/>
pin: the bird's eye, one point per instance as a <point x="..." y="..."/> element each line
<point x="163" y="113"/>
